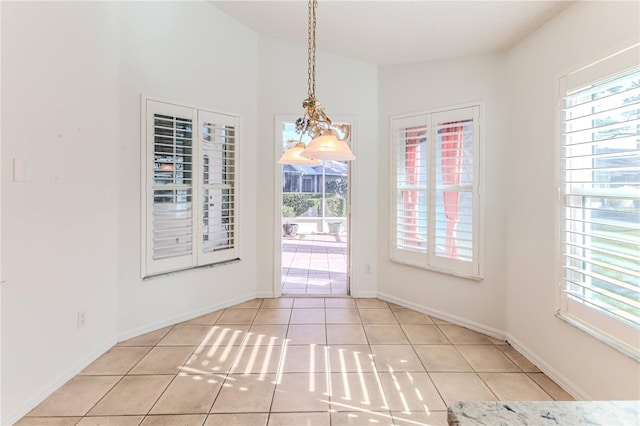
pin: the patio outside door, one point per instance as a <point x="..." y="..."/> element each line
<point x="315" y="224"/>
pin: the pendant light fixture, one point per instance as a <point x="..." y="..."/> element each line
<point x="292" y="156"/>
<point x="329" y="140"/>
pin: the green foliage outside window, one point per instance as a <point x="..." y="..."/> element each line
<point x="335" y="207"/>
<point x="287" y="211"/>
<point x="298" y="204"/>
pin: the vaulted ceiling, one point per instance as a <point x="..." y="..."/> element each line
<point x="393" y="32"/>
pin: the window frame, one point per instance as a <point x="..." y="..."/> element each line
<point x="197" y="257"/>
<point x="607" y="329"/>
<point x="473" y="270"/>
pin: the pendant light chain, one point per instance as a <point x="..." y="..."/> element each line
<point x="311" y="51"/>
<point x="328" y="140"/>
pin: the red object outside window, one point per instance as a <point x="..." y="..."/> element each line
<point x="451" y="158"/>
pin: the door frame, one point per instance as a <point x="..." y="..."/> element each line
<point x="277" y="234"/>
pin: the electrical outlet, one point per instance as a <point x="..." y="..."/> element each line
<point x="82" y="318"/>
<point x="367" y="268"/>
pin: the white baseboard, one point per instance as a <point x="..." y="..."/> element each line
<point x="264" y="295"/>
<point x="73" y="371"/>
<point x="125" y="335"/>
<point x="472" y="325"/>
<point x="55" y="384"/>
<point x="552" y="373"/>
<point x="365" y="294"/>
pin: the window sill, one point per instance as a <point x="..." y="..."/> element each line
<point x="191" y="268"/>
<point x="458" y="274"/>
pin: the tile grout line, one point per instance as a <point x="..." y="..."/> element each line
<point x="375" y="370"/>
<point x="195" y="348"/>
<point x="172" y="380"/>
<point x="226" y="374"/>
<point x="123" y="376"/>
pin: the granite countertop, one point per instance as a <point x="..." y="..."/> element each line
<point x="572" y="413"/>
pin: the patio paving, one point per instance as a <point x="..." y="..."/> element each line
<point x="314" y="264"/>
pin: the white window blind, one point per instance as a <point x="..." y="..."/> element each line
<point x="218" y="185"/>
<point x="600" y="214"/>
<point x="436" y="208"/>
<point x="190" y="181"/>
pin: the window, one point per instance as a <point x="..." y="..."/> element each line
<point x="190" y="164"/>
<point x="436" y="207"/>
<point x="600" y="200"/>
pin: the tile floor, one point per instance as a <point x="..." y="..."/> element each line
<point x="295" y="361"/>
<point x="314" y="264"/>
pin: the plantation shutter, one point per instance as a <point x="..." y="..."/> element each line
<point x="436" y="203"/>
<point x="170" y="141"/>
<point x="410" y="208"/>
<point x="218" y="230"/>
<point x="454" y="216"/>
<point x="191" y="187"/>
<point x="600" y="187"/>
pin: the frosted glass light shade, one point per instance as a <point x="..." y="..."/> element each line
<point x="328" y="147"/>
<point x="292" y="156"/>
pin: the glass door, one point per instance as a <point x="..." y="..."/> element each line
<point x="315" y="224"/>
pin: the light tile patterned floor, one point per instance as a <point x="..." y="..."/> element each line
<point x="314" y="264"/>
<point x="295" y="361"/>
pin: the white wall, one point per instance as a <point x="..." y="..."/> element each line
<point x="71" y="232"/>
<point x="424" y="86"/>
<point x="346" y="88"/>
<point x="1" y="168"/>
<point x="59" y="104"/>
<point x="186" y="52"/>
<point x="73" y="74"/>
<point x="518" y="296"/>
<point x="583" y="33"/>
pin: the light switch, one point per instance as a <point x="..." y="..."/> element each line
<point x="19" y="170"/>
